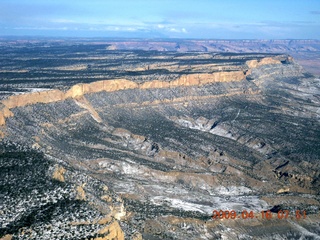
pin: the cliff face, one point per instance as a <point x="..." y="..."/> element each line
<point x="79" y="90"/>
<point x="33" y="98"/>
<point x="4" y="113"/>
<point x="256" y="63"/>
<point x="156" y="143"/>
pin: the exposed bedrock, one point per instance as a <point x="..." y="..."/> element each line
<point x="164" y="153"/>
<point x="122" y="84"/>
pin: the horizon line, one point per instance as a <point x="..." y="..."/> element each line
<point x="156" y="38"/>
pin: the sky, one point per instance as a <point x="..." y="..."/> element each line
<point x="195" y="19"/>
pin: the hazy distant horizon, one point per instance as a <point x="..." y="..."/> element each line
<point x="119" y="39"/>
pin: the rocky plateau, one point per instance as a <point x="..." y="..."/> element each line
<point x="104" y="140"/>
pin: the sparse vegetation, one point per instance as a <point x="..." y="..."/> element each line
<point x="159" y="159"/>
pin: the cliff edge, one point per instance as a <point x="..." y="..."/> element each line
<point x="185" y="80"/>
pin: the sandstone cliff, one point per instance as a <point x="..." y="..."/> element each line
<point x="264" y="61"/>
<point x="4" y="113"/>
<point x="153" y="151"/>
<point x="79" y="90"/>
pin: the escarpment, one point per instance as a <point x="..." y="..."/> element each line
<point x="5" y="113"/>
<point x="264" y="61"/>
<point x="123" y="84"/>
<point x="146" y="145"/>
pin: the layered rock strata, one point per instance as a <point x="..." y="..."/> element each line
<point x="151" y="155"/>
<point x="123" y="84"/>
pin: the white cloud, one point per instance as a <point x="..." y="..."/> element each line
<point x="62" y="21"/>
<point x="42" y="28"/>
<point x="177" y="30"/>
<point x="173" y="30"/>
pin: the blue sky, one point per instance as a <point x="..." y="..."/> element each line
<point x="211" y="19"/>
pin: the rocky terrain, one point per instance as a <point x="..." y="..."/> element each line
<point x="306" y="52"/>
<point x="102" y="143"/>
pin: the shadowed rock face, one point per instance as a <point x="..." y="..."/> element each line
<point x="150" y="151"/>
